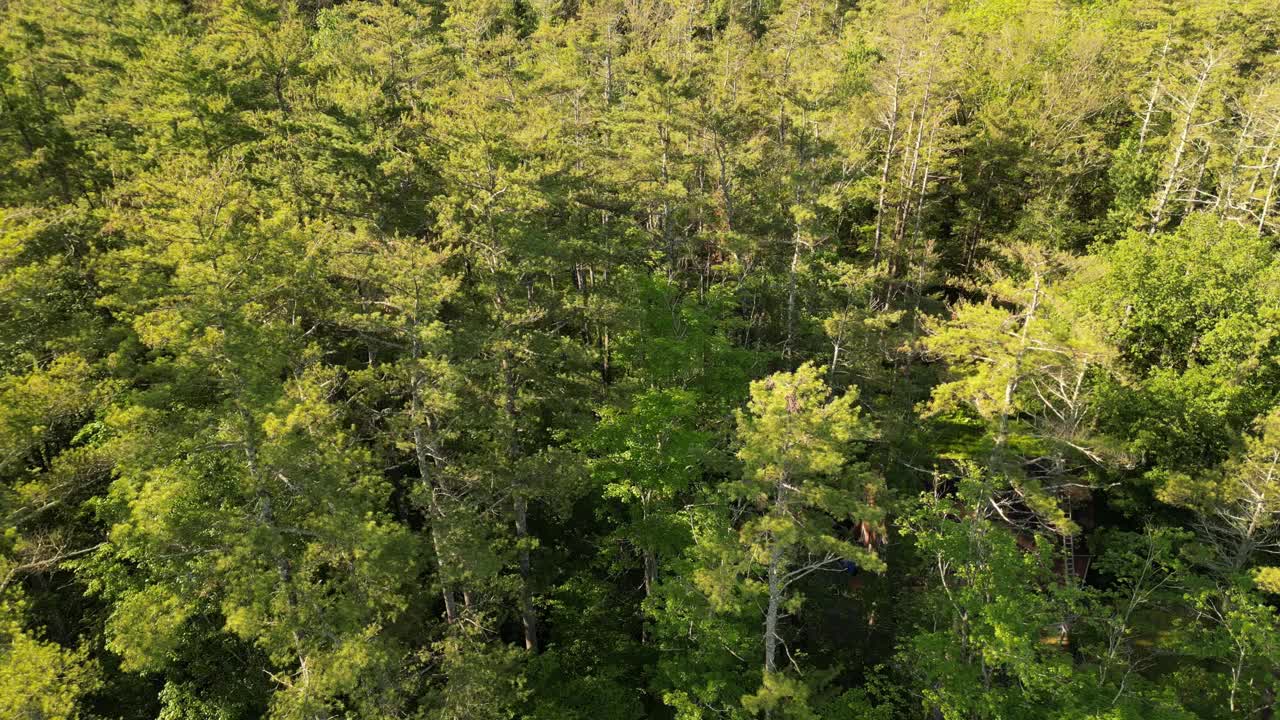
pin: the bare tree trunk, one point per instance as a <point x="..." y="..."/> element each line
<point x="527" y="616"/>
<point x="667" y="239"/>
<point x="724" y="183"/>
<point x="1188" y="122"/>
<point x="791" y="294"/>
<point x="775" y="585"/>
<point x="1151" y="101"/>
<point x="1002" y="434"/>
<point x="1225" y="201"/>
<point x="771" y="614"/>
<point x="835" y="361"/>
<point x="924" y="187"/>
<point x="909" y="182"/>
<point x="888" y="157"/>
<point x="608" y="70"/>
<point x="906" y="179"/>
<point x="650" y="571"/>
<point x="1271" y="188"/>
<point x="520" y="509"/>
<point x="433" y="506"/>
<point x="266" y="515"/>
<point x="423" y="454"/>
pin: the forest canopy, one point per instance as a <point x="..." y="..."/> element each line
<point x="630" y="359"/>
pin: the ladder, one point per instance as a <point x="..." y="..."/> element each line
<point x="1069" y="546"/>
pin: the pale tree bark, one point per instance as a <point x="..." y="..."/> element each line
<point x="424" y="453"/>
<point x="1152" y="98"/>
<point x="1260" y="169"/>
<point x="1190" y="105"/>
<point x="1011" y="387"/>
<point x="791" y="294"/>
<point x="650" y="571"/>
<point x="520" y="510"/>
<point x="930" y="147"/>
<point x="906" y="179"/>
<point x="266" y="516"/>
<point x="778" y="578"/>
<point x="437" y="515"/>
<point x="519" y="498"/>
<point x="774" y="607"/>
<point x="892" y="122"/>
<point x="1271" y="187"/>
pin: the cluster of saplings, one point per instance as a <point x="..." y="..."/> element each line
<point x="632" y="359"/>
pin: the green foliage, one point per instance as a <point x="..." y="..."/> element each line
<point x="1193" y="314"/>
<point x="987" y="657"/>
<point x="491" y="359"/>
<point x="795" y="447"/>
<point x="39" y="678"/>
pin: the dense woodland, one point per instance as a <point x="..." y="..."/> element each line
<point x="625" y="359"/>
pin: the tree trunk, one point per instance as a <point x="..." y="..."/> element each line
<point x="1271" y="188"/>
<point x="1002" y="434"/>
<point x="776" y="587"/>
<point x="433" y="506"/>
<point x="791" y="294"/>
<point x="650" y="571"/>
<point x="771" y="614"/>
<point x="1188" y="122"/>
<point x="527" y="617"/>
<point x="420" y="445"/>
<point x="520" y="508"/>
<point x="835" y="360"/>
<point x="1151" y="101"/>
<point x="888" y="157"/>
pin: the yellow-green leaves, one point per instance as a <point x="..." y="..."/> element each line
<point x="792" y="430"/>
<point x="40" y="679"/>
<point x="1024" y="361"/>
<point x="163" y="614"/>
